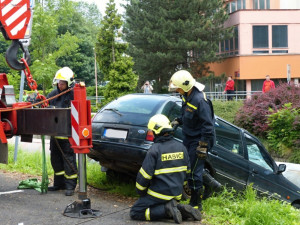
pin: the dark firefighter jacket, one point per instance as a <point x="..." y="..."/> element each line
<point x="197" y="116"/>
<point x="63" y="101"/>
<point x="164" y="169"/>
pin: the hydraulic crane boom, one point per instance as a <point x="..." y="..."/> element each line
<point x="21" y="119"/>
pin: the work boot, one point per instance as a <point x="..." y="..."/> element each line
<point x="58" y="183"/>
<point x="56" y="188"/>
<point x="211" y="185"/>
<point x="188" y="211"/>
<point x="69" y="192"/>
<point x="196" y="199"/>
<point x="172" y="211"/>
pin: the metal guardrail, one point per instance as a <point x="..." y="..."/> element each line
<point x="219" y="96"/>
<point x="214" y="96"/>
<point x="237" y="96"/>
<point x="95" y="99"/>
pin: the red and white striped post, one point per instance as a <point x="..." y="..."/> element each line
<point x="81" y="142"/>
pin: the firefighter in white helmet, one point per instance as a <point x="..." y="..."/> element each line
<point x="63" y="158"/>
<point x="197" y="122"/>
<point x="161" y="177"/>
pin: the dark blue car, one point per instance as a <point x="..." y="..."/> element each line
<point x="121" y="140"/>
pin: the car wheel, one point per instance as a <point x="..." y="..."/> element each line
<point x="112" y="175"/>
<point x="296" y="205"/>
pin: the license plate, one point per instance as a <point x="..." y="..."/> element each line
<point x="114" y="133"/>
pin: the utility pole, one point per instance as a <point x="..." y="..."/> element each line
<point x="96" y="82"/>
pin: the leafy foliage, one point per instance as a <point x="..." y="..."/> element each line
<point x="253" y="115"/>
<point x="114" y="63"/>
<point x="284" y="134"/>
<point x="167" y="35"/>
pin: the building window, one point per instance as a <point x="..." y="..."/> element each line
<point x="261" y="4"/>
<point x="279" y="36"/>
<point x="260" y="37"/>
<point x="236" y="5"/>
<point x="233" y="6"/>
<point x="230" y="47"/>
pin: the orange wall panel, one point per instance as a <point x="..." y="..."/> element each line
<point x="229" y="66"/>
<point x="258" y="66"/>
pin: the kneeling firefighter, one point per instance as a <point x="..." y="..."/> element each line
<point x="63" y="158"/>
<point x="160" y="180"/>
<point x="197" y="120"/>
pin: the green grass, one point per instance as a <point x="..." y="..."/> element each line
<point x="98" y="179"/>
<point x="227" y="207"/>
<point x="245" y="208"/>
<point x="28" y="163"/>
<point x="228" y="109"/>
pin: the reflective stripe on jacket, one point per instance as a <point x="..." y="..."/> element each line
<point x="164" y="169"/>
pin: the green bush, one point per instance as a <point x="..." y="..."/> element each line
<point x="227" y="110"/>
<point x="284" y="135"/>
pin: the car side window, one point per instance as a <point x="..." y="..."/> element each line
<point x="257" y="155"/>
<point x="228" y="137"/>
<point x="174" y="111"/>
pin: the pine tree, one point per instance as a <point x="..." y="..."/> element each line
<point x="113" y="62"/>
<point x="166" y="35"/>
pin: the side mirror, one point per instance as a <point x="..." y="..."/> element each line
<point x="281" y="168"/>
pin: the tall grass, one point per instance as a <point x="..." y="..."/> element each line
<point x="245" y="208"/>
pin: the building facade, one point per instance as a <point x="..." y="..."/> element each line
<point x="266" y="42"/>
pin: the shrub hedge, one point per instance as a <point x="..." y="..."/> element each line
<point x="253" y="116"/>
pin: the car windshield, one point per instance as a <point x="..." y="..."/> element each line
<point x="132" y="109"/>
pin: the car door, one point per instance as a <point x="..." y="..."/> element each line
<point x="227" y="156"/>
<point x="173" y="110"/>
<point x="262" y="169"/>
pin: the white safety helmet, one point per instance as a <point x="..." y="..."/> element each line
<point x="65" y="74"/>
<point x="181" y="79"/>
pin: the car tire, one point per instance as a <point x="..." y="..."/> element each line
<point x="296" y="205"/>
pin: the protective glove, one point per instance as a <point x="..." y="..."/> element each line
<point x="201" y="150"/>
<point x="174" y="123"/>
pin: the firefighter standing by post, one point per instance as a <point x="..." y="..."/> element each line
<point x="63" y="158"/>
<point x="198" y="131"/>
<point x="161" y="177"/>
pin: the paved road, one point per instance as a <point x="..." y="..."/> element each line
<point x="29" y="207"/>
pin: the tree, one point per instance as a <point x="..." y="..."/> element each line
<point x="114" y="63"/>
<point x="165" y="35"/>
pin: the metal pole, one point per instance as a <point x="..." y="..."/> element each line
<point x="20" y="100"/>
<point x="96" y="83"/>
<point x="82" y="176"/>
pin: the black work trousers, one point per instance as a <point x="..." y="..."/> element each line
<point x="195" y="180"/>
<point x="148" y="208"/>
<point x="64" y="174"/>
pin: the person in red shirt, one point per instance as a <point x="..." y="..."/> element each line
<point x="229" y="89"/>
<point x="268" y="85"/>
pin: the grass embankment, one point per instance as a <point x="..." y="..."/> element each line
<point x="227" y="110"/>
<point x="227" y="207"/>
